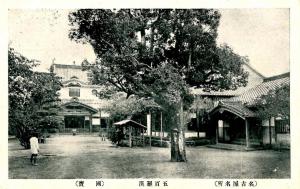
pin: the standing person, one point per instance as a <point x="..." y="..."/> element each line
<point x="34" y="148"/>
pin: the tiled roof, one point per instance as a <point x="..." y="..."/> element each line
<point x="254" y="79"/>
<point x="73" y="66"/>
<point x="236" y="108"/>
<point x="271" y="83"/>
<point x="229" y="93"/>
<point x="129" y="121"/>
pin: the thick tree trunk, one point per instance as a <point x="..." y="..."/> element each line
<point x="178" y="141"/>
<point x="178" y="146"/>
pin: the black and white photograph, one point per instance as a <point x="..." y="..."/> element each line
<point x="149" y="94"/>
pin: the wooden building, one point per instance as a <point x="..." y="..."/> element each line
<point x="235" y="121"/>
<point x="81" y="108"/>
<point x="133" y="132"/>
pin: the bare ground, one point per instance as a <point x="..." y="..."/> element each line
<point x="83" y="156"/>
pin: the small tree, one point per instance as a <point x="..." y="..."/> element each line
<point x="115" y="135"/>
<point x="122" y="107"/>
<point x="275" y="103"/>
<point x="127" y="108"/>
<point x="33" y="98"/>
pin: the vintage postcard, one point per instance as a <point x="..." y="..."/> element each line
<point x="150" y="95"/>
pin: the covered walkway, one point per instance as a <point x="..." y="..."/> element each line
<point x="234" y="123"/>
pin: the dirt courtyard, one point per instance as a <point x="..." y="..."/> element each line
<point x="86" y="156"/>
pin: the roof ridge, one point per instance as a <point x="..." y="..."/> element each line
<point x="258" y="73"/>
<point x="67" y="65"/>
<point x="280" y="76"/>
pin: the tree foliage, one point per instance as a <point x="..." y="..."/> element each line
<point x="275" y="103"/>
<point x="230" y="67"/>
<point x="158" y="54"/>
<point x="131" y="44"/>
<point x="121" y="107"/>
<point x="33" y="98"/>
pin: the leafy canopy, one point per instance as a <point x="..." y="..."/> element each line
<point x="137" y="49"/>
<point x="275" y="103"/>
<point x="33" y="97"/>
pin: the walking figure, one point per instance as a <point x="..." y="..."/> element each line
<point x="34" y="148"/>
<point x="103" y="137"/>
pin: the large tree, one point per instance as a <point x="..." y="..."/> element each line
<point x="32" y="96"/>
<point x="157" y="53"/>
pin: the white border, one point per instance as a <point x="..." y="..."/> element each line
<point x="294" y="6"/>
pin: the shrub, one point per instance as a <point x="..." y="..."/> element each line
<point x="115" y="135"/>
<point x="194" y="141"/>
<point x="155" y="141"/>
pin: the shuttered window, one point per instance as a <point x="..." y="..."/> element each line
<point x="74" y="92"/>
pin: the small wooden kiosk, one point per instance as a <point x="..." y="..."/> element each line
<point x="133" y="131"/>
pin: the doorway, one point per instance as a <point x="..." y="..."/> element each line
<point x="74" y="121"/>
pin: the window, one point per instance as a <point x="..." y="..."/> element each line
<point x="94" y="92"/>
<point x="74" y="92"/>
<point x="282" y="126"/>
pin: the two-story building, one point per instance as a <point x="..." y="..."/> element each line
<point x="81" y="109"/>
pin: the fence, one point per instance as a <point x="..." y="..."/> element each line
<point x="187" y="134"/>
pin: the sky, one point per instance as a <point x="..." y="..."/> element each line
<point x="260" y="34"/>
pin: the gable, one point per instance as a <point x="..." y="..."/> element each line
<point x="236" y="108"/>
<point x="78" y="106"/>
<point x="67" y="72"/>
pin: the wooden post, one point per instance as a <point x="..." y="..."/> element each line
<point x="107" y="126"/>
<point x="130" y="136"/>
<point x="90" y="122"/>
<point x="217" y="133"/>
<point x="143" y="137"/>
<point x="100" y="134"/>
<point x="198" y="123"/>
<point x="247" y="132"/>
<point x="84" y="124"/>
<point x="150" y="137"/>
<point x="161" y="121"/>
<point x="149" y="130"/>
<point x="270" y="132"/>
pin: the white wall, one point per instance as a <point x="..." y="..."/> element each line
<point x="85" y="93"/>
<point x="66" y="72"/>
